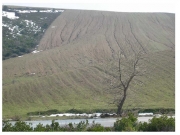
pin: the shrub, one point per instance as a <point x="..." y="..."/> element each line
<point x="74" y="111"/>
<point x="40" y="128"/>
<point x="126" y="124"/>
<point x="55" y="126"/>
<point x="143" y="126"/>
<point x="69" y="127"/>
<point x="48" y="112"/>
<point x="7" y="126"/>
<point x="162" y="123"/>
<point x="14" y="54"/>
<point x="96" y="127"/>
<point x="22" y="126"/>
<point x="82" y="126"/>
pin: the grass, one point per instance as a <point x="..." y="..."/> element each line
<point x="82" y="90"/>
<point x="72" y="73"/>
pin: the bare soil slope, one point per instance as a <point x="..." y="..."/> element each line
<point x="69" y="72"/>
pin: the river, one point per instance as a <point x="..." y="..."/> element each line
<point x="106" y="122"/>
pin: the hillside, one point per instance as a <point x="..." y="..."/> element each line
<point x="73" y="60"/>
<point x="23" y="28"/>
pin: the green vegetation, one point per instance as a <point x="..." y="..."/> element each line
<point x="158" y="111"/>
<point x="49" y="112"/>
<point x="5" y="8"/>
<point x="81" y="88"/>
<point x="75" y="111"/>
<point x="72" y="71"/>
<point x="43" y="115"/>
<point x="125" y="124"/>
<point x="158" y="124"/>
<point x="20" y="36"/>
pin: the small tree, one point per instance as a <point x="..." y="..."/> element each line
<point x="127" y="70"/>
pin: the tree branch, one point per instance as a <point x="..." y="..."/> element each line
<point x="120" y="76"/>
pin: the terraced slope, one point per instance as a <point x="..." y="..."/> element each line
<point x="70" y="71"/>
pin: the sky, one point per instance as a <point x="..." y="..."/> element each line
<point x="107" y="5"/>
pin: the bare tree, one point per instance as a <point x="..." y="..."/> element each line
<point x="127" y="71"/>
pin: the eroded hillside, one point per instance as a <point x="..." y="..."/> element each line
<point x="71" y="67"/>
<point x="150" y="31"/>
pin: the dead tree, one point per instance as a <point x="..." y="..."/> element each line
<point x="127" y="70"/>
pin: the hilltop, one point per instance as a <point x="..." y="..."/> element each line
<point x="73" y="59"/>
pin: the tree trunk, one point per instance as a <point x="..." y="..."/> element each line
<point x="119" y="111"/>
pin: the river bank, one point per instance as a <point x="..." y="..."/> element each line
<point x="66" y="116"/>
<point x="106" y="122"/>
